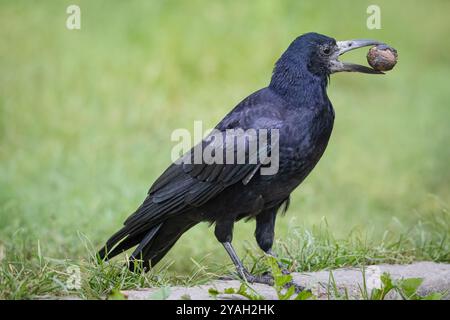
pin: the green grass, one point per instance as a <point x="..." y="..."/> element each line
<point x="86" y="118"/>
<point x="26" y="273"/>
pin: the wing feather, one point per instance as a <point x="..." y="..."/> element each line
<point x="186" y="184"/>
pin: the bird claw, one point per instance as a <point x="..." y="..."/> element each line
<point x="250" y="278"/>
<point x="298" y="288"/>
<point x="284" y="271"/>
<point x="264" y="279"/>
<point x="268" y="280"/>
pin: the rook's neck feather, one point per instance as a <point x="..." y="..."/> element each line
<point x="296" y="83"/>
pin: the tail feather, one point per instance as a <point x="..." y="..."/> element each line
<point x="108" y="251"/>
<point x="160" y="240"/>
<point x="145" y="241"/>
<point x="152" y="243"/>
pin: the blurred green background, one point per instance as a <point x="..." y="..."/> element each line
<point x="86" y="115"/>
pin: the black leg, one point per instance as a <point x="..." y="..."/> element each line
<point x="242" y="271"/>
<point x="264" y="234"/>
<point x="265" y="229"/>
<point x="224" y="234"/>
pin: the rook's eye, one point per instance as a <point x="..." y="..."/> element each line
<point x="326" y="50"/>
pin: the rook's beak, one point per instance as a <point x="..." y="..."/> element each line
<point x="345" y="46"/>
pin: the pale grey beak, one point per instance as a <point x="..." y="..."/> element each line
<point x="345" y="46"/>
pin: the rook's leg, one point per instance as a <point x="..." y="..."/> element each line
<point x="242" y="271"/>
<point x="224" y="233"/>
<point x="264" y="233"/>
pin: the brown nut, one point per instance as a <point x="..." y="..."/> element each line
<point x="382" y="57"/>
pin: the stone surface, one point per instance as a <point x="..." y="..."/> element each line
<point x="436" y="278"/>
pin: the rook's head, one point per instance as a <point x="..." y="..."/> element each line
<point x="320" y="54"/>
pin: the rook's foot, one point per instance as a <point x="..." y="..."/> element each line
<point x="250" y="278"/>
<point x="297" y="287"/>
